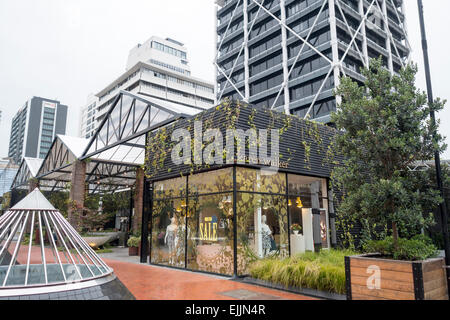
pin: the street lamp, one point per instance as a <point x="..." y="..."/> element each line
<point x="443" y="205"/>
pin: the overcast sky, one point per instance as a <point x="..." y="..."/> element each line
<point x="66" y="49"/>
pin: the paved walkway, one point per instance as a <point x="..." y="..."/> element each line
<point x="159" y="283"/>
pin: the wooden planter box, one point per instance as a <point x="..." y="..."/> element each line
<point x="372" y="278"/>
<point x="133" y="251"/>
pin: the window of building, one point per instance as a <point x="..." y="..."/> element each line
<point x="169" y="50"/>
<point x="200" y="209"/>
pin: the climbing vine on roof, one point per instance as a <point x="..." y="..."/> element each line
<point x="228" y="115"/>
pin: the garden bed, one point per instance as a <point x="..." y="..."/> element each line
<point x="303" y="291"/>
<point x="316" y="274"/>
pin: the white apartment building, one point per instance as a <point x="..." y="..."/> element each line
<point x="158" y="68"/>
<point x="87" y="117"/>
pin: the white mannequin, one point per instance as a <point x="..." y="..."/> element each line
<point x="171" y="239"/>
<point x="266" y="235"/>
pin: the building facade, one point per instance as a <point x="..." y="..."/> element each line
<point x="158" y="68"/>
<point x="35" y="126"/>
<point x="218" y="217"/>
<point x="87" y="118"/>
<point x="8" y="170"/>
<point x="289" y="55"/>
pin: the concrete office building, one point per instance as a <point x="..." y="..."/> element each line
<point x="289" y="55"/>
<point x="158" y="68"/>
<point x="34" y="128"/>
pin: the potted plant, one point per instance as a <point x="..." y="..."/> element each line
<point x="133" y="245"/>
<point x="296" y="228"/>
<point x="384" y="132"/>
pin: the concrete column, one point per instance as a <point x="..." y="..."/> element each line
<point x="363" y="31"/>
<point x="388" y="40"/>
<point x="216" y="41"/>
<point x="77" y="193"/>
<point x="246" y="53"/>
<point x="285" y="57"/>
<point x="138" y="200"/>
<point x="334" y="48"/>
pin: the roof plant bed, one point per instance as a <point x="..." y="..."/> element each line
<point x="386" y="130"/>
<point x="324" y="271"/>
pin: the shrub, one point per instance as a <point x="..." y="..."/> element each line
<point x="384" y="131"/>
<point x="134" y="242"/>
<point x="323" y="271"/>
<point x="417" y="248"/>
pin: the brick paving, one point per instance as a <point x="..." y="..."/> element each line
<point x="148" y="282"/>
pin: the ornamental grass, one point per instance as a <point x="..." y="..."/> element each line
<point x="324" y="271"/>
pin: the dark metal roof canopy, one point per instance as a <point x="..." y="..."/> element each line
<point x="116" y="150"/>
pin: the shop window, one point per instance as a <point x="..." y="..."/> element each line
<point x="210" y="234"/>
<point x="254" y="181"/>
<point x="262" y="228"/>
<point x="211" y="182"/>
<point x="168" y="232"/>
<point x="170" y="188"/>
<point x="196" y="230"/>
<point x="305" y="194"/>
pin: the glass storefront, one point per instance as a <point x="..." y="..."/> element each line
<point x="262" y="220"/>
<point x="193" y="218"/>
<point x="210" y="233"/>
<point x="169" y="223"/>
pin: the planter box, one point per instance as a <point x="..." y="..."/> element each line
<point x="372" y="278"/>
<point x="133" y="251"/>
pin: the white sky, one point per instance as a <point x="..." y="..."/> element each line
<point x="67" y="49"/>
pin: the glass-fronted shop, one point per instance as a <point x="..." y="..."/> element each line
<point x="220" y="221"/>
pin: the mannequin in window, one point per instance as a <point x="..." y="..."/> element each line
<point x="266" y="235"/>
<point x="171" y="239"/>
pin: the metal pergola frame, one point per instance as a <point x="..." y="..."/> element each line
<point x="113" y="154"/>
<point x="27" y="172"/>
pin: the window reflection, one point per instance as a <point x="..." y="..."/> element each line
<point x="210" y="233"/>
<point x="262" y="228"/>
<point x="168" y="233"/>
<point x="306" y="193"/>
<point x="202" y="213"/>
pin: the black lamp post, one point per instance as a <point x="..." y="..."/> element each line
<point x="443" y="206"/>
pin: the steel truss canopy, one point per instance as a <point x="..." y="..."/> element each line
<point x="116" y="150"/>
<point x="366" y="13"/>
<point x="28" y="170"/>
<point x="39" y="248"/>
<point x="55" y="172"/>
<point x="121" y="136"/>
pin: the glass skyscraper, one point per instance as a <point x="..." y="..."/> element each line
<point x="34" y="128"/>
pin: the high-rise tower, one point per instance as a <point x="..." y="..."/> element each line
<point x="158" y="68"/>
<point x="34" y="128"/>
<point x="289" y="55"/>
